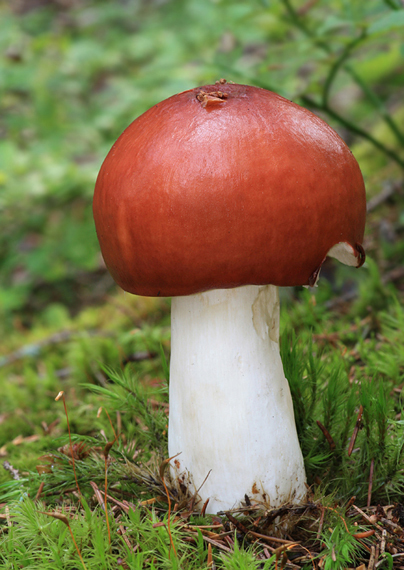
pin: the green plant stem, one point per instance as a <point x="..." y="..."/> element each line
<point x="353" y="128"/>
<point x="377" y="104"/>
<point x="391" y="4"/>
<point x="341" y="63"/>
<point x="337" y="65"/>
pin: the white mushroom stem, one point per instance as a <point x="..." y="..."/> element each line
<point x="231" y="413"/>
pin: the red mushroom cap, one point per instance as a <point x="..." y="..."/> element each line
<point x="222" y="186"/>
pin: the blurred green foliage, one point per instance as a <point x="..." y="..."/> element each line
<point x="74" y="74"/>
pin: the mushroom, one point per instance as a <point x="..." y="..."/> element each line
<point x="215" y="197"/>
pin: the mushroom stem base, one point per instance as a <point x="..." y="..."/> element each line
<point x="231" y="413"/>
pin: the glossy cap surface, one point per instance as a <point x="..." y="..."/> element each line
<point x="223" y="186"/>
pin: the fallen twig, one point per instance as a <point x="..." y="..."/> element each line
<point x="357" y="427"/>
<point x="372" y="464"/>
<point x="34" y="349"/>
<point x="327" y="435"/>
<point x="389" y="190"/>
<point x="14" y="472"/>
